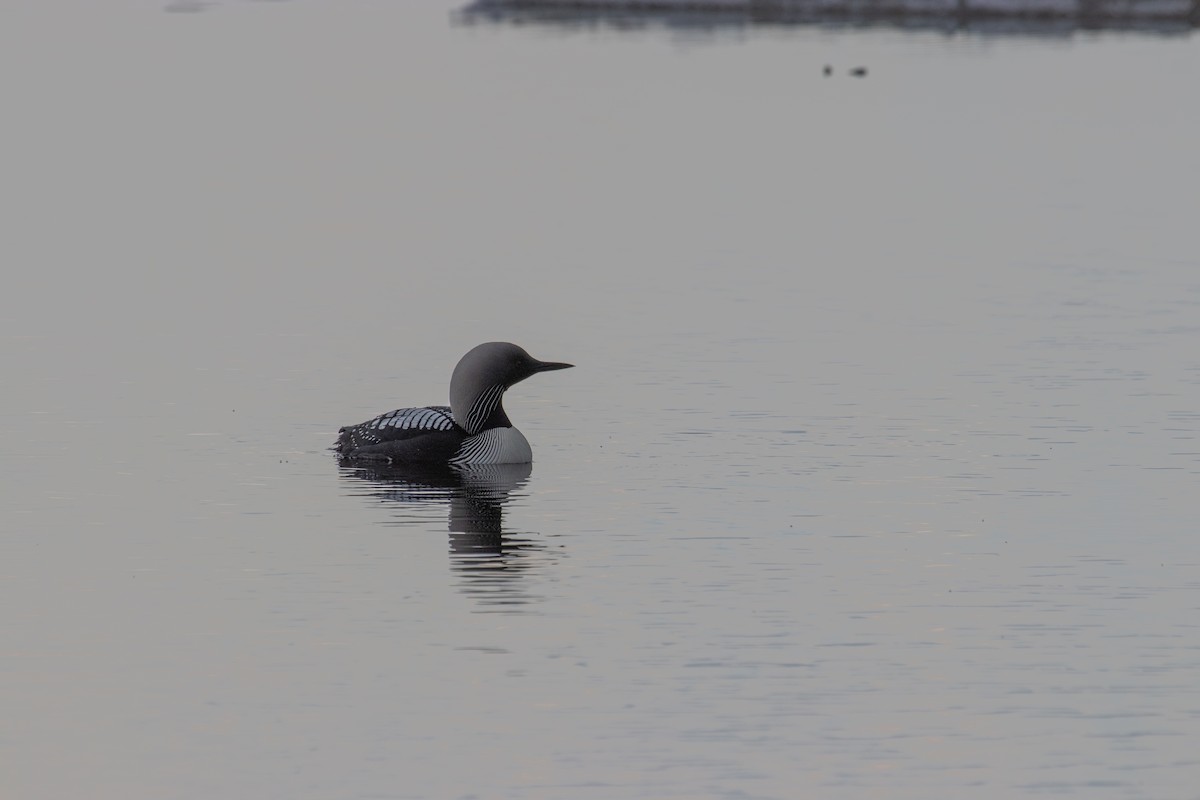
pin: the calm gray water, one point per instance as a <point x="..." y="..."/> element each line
<point x="876" y="477"/>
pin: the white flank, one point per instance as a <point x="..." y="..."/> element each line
<point x="495" y="446"/>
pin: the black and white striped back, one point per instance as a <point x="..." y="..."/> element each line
<point x="429" y="418"/>
<point x="401" y="423"/>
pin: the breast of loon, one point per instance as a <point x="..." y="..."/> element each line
<point x="494" y="446"/>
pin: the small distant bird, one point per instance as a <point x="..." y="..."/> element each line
<point x="828" y="70"/>
<point x="473" y="429"/>
<point x="859" y="72"/>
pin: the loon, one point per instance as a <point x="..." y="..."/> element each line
<point x="473" y="429"/>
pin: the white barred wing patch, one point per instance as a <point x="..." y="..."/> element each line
<point x="385" y="426"/>
<point x="494" y="446"/>
<point x="430" y="418"/>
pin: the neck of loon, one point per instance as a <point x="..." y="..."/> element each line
<point x="480" y="379"/>
<point x="482" y="411"/>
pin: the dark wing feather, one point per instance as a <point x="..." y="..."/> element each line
<point x="406" y="434"/>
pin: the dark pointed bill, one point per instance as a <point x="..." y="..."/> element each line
<point x="547" y="366"/>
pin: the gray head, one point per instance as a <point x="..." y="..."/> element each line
<point x="482" y="376"/>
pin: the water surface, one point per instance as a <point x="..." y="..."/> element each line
<point x="874" y="478"/>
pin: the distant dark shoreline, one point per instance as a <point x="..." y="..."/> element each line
<point x="1031" y="16"/>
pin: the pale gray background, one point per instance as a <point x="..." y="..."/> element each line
<point x="876" y="476"/>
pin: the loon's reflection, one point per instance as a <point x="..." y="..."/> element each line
<point x="490" y="560"/>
